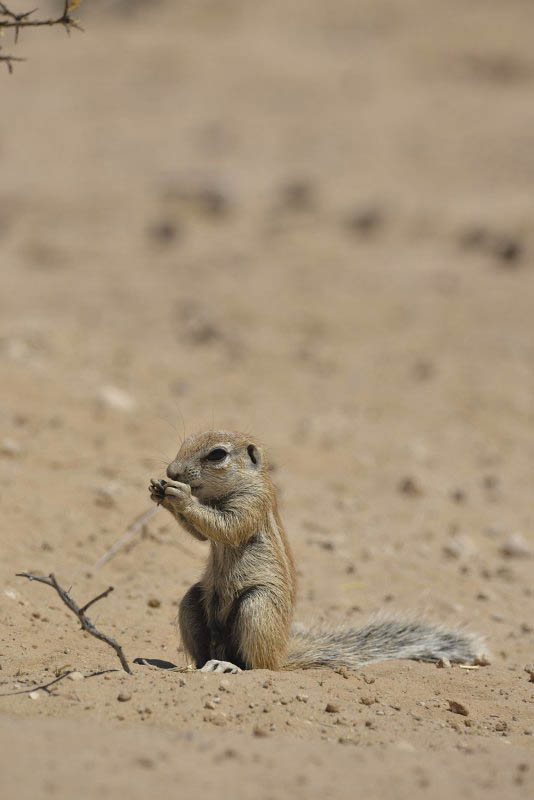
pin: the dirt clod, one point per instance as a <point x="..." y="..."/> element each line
<point x="332" y="708"/>
<point x="458" y="708"/>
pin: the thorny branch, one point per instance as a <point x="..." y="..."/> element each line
<point x="25" y="19"/>
<point x="85" y="622"/>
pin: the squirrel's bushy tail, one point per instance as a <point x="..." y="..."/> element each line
<point x="381" y="639"/>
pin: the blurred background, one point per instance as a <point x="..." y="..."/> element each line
<point x="309" y="220"/>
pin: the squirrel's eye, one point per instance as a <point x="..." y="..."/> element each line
<point x="217" y="455"/>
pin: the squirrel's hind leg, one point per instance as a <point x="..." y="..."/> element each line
<point x="193" y="624"/>
<point x="258" y="630"/>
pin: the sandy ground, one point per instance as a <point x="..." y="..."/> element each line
<point x="312" y="221"/>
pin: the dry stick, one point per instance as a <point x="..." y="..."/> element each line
<point x="128" y="534"/>
<point x="132" y="529"/>
<point x="23" y="20"/>
<point x="45" y="687"/>
<point x="85" y="622"/>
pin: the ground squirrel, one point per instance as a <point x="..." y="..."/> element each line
<point x="239" y="615"/>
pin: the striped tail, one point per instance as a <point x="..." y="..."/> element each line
<point x="381" y="639"/>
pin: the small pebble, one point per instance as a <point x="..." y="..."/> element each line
<point x="75" y="676"/>
<point x="218" y="719"/>
<point x="410" y="487"/>
<point x="443" y="663"/>
<point x="115" y="398"/>
<point x="145" y="762"/>
<point x="508" y="251"/>
<point x="458" y="496"/>
<point x="164" y="232"/>
<point x="259" y="731"/>
<point x="123" y="697"/>
<point x="10" y="447"/>
<point x="332" y="708"/>
<point x="34" y="695"/>
<point x="105" y="497"/>
<point x="490" y="481"/>
<point x="342" y="671"/>
<point x="365" y="222"/>
<point x="423" y="370"/>
<point x="516" y="546"/>
<point x="459" y="547"/>
<point x="154" y="602"/>
<point x="458" y="708"/>
<point x="298" y="195"/>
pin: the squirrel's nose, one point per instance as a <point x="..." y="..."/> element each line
<point x="173" y="472"/>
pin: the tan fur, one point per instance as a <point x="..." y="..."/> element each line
<point x="241" y="610"/>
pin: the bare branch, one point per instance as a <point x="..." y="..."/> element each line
<point x="8" y="61"/>
<point x="45" y="687"/>
<point x="85" y="622"/>
<point x="18" y="21"/>
<point x="100" y="596"/>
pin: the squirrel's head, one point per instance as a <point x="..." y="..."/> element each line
<point x="218" y="463"/>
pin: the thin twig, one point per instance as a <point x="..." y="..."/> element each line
<point x="100" y="596"/>
<point x="128" y="534"/>
<point x="45" y="686"/>
<point x="85" y="622"/>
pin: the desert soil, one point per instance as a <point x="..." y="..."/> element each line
<point x="314" y="222"/>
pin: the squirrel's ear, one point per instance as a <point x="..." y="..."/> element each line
<point x="254" y="455"/>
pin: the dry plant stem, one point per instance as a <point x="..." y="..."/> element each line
<point x="85" y="622"/>
<point x="45" y="687"/>
<point x="129" y="533"/>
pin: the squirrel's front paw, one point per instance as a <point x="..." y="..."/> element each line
<point x="171" y="494"/>
<point x="157" y="490"/>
